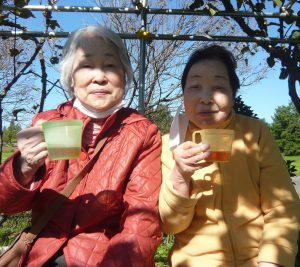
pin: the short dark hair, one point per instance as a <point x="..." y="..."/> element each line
<point x="214" y="52"/>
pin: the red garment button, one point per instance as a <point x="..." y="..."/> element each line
<point x="83" y="156"/>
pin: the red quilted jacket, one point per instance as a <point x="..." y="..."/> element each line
<point x="111" y="218"/>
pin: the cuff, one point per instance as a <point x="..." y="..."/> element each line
<point x="280" y="255"/>
<point x="176" y="201"/>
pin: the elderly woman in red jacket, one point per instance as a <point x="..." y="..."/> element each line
<point x="111" y="218"/>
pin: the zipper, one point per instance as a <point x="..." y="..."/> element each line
<point x="233" y="255"/>
<point x="230" y="238"/>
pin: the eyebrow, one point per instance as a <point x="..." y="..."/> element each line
<point x="106" y="55"/>
<point x="216" y="76"/>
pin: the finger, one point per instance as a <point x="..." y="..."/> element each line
<point x="42" y="146"/>
<point x="29" y="137"/>
<point x="197" y="160"/>
<point x="41" y="157"/>
<point x="201" y="156"/>
<point x="199" y="148"/>
<point x="203" y="164"/>
<point x="39" y="122"/>
<point x="191" y="145"/>
<point x="35" y="160"/>
<point x="29" y="132"/>
<point x="30" y="143"/>
<point x="191" y="152"/>
<point x="31" y="152"/>
<point x="184" y="153"/>
<point x="186" y="145"/>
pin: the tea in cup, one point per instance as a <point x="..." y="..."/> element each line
<point x="220" y="141"/>
<point x="63" y="138"/>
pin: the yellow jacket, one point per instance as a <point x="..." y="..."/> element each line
<point x="240" y="212"/>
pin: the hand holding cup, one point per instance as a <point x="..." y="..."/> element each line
<point x="33" y="151"/>
<point x="188" y="157"/>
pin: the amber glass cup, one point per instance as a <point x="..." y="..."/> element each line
<point x="220" y="141"/>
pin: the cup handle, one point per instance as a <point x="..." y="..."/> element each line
<point x="194" y="136"/>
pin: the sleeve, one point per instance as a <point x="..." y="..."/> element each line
<point x="173" y="208"/>
<point x="14" y="197"/>
<point x="135" y="245"/>
<point x="280" y="205"/>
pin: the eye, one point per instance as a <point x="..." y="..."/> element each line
<point x="194" y="87"/>
<point x="110" y="65"/>
<point x="84" y="65"/>
<point x="220" y="88"/>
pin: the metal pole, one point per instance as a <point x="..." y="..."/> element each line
<point x="203" y="37"/>
<point x="142" y="71"/>
<point x="142" y="76"/>
<point x="168" y="11"/>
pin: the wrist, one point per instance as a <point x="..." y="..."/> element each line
<point x="22" y="174"/>
<point x="180" y="183"/>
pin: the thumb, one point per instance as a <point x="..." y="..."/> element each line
<point x="39" y="122"/>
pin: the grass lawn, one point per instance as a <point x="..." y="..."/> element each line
<point x="296" y="163"/>
<point x="5" y="155"/>
<point x="7" y="151"/>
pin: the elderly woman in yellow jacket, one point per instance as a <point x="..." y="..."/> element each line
<point x="244" y="212"/>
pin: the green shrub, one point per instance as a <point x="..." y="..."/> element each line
<point x="11" y="226"/>
<point x="162" y="252"/>
<point x="293" y="162"/>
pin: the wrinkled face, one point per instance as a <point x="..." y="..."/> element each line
<point x="207" y="95"/>
<point x="98" y="76"/>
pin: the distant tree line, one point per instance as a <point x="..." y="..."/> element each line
<point x="10" y="133"/>
<point x="286" y="129"/>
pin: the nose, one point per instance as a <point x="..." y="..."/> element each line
<point x="206" y="96"/>
<point x="99" y="76"/>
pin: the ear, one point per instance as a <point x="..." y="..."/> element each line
<point x="72" y="91"/>
<point x="72" y="82"/>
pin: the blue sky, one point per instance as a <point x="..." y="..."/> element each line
<point x="263" y="97"/>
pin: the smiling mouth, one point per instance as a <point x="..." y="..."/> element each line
<point x="207" y="112"/>
<point x="100" y="92"/>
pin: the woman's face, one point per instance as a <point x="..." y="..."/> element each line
<point x="98" y="76"/>
<point x="207" y="95"/>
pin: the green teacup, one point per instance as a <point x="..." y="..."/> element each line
<point x="63" y="138"/>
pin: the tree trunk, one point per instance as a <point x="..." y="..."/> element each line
<point x="43" y="80"/>
<point x="293" y="92"/>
